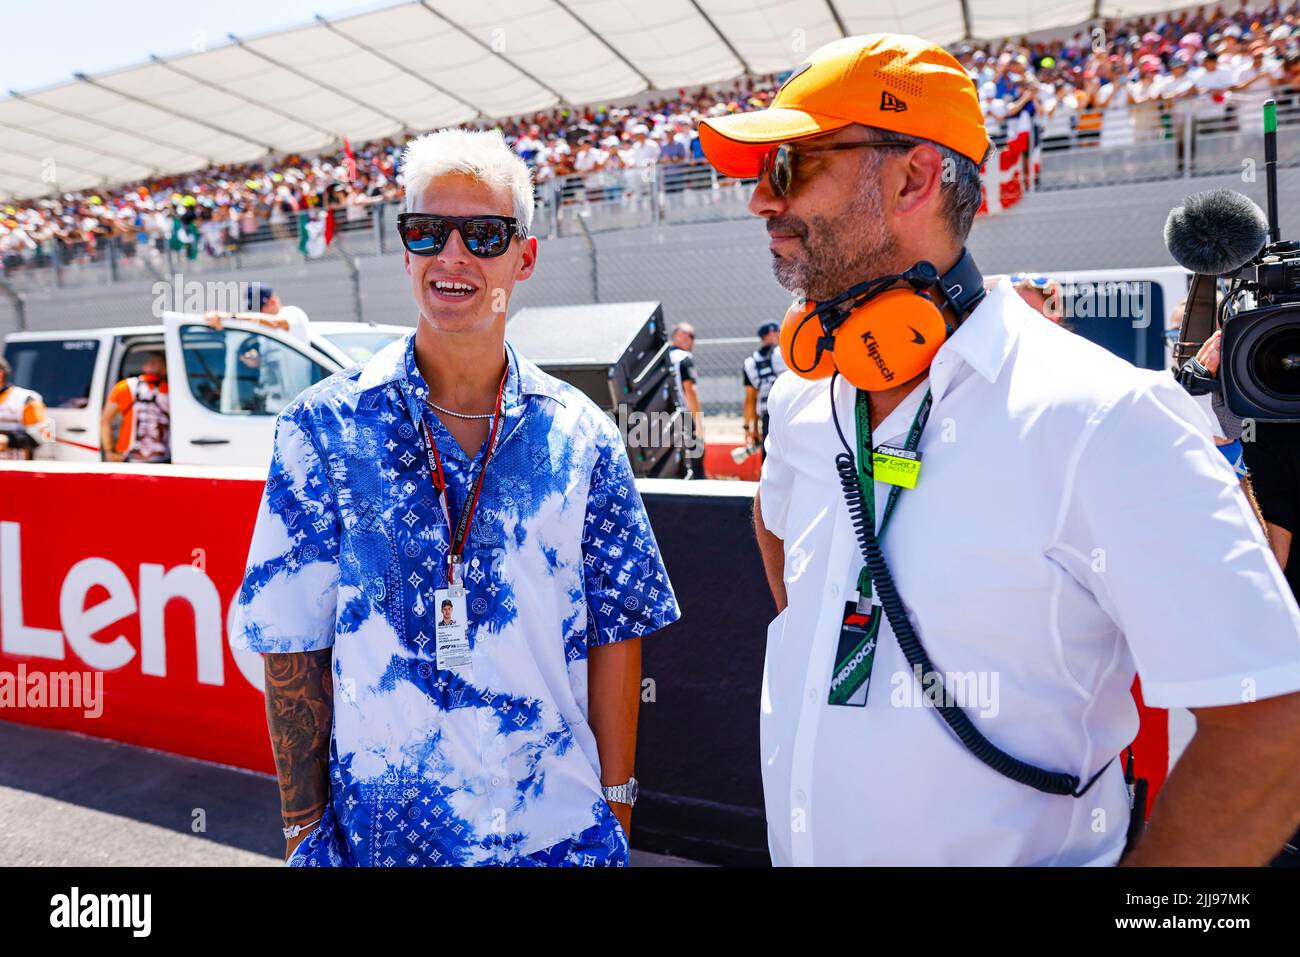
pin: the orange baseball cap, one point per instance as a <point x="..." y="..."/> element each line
<point x="890" y="81"/>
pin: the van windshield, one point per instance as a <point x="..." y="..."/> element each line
<point x="59" y="369"/>
<point x="360" y="346"/>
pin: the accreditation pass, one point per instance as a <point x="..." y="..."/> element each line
<point x="451" y="632"/>
<point x="896" y="466"/>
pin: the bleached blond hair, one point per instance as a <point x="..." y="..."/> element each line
<point x="479" y="154"/>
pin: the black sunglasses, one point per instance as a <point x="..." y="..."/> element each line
<point x="779" y="163"/>
<point x="424" y="234"/>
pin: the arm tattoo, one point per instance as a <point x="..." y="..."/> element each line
<point x="299" y="714"/>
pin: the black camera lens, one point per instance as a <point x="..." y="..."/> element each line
<point x="1275" y="364"/>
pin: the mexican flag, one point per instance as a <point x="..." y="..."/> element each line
<point x="315" y="232"/>
<point x="184" y="237"/>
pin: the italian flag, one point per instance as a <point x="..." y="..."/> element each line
<point x="315" y="232"/>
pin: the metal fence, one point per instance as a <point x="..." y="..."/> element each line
<point x="1194" y="137"/>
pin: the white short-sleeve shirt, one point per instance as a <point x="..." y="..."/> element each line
<point x="1072" y="525"/>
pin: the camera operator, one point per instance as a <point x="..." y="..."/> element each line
<point x="1271" y="453"/>
<point x="1242" y="314"/>
<point x="1228" y="427"/>
<point x="1265" y="454"/>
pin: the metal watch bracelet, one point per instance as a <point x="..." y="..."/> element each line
<point x="621" y="793"/>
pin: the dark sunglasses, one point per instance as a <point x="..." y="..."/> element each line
<point x="424" y="234"/>
<point x="779" y="163"/>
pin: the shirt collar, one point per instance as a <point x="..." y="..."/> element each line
<point x="532" y="380"/>
<point x="985" y="340"/>
<point x="511" y="396"/>
<point x="396" y="363"/>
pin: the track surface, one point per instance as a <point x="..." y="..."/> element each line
<point x="71" y="800"/>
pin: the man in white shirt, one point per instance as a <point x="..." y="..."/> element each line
<point x="1232" y="57"/>
<point x="1070" y="526"/>
<point x="587" y="159"/>
<point x="1254" y="86"/>
<point x="262" y="298"/>
<point x="1060" y="103"/>
<point x="1179" y="91"/>
<point x="1181" y="81"/>
<point x="1146" y="100"/>
<point x="643" y="151"/>
<point x="1212" y="84"/>
<point x="994" y="109"/>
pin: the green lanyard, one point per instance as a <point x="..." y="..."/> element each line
<point x="855" y="651"/>
<point x="866" y="476"/>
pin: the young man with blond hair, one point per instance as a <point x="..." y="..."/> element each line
<point x="449" y="471"/>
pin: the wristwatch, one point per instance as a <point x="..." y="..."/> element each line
<point x="294" y="830"/>
<point x="621" y="793"/>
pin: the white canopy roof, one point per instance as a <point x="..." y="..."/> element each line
<point x="421" y="65"/>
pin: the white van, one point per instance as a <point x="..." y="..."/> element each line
<point x="222" y="407"/>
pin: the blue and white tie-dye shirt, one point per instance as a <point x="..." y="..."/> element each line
<point x="427" y="767"/>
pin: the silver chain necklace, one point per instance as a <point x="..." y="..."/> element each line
<point x="460" y="415"/>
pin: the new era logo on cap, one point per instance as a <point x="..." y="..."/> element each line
<point x="891" y="103"/>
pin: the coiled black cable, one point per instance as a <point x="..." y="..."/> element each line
<point x="1050" y="782"/>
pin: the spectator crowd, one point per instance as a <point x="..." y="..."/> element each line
<point x="1141" y="80"/>
<point x="1117" y="83"/>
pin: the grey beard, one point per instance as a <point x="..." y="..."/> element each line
<point x="828" y="269"/>
<point x="789" y="275"/>
<point x="855" y="246"/>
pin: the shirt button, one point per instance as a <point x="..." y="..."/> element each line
<point x="800" y="798"/>
<point x="812" y="694"/>
<point x="833" y="590"/>
<point x="496" y="782"/>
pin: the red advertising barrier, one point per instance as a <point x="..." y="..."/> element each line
<point x="130" y="573"/>
<point x="718" y="462"/>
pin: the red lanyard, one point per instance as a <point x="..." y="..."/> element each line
<point x="439" y="478"/>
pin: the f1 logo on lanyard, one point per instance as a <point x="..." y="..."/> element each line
<point x="451" y="621"/>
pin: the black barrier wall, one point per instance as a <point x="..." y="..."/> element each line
<point x="697" y="748"/>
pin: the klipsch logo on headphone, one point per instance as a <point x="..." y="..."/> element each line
<point x="891" y="103"/>
<point x="873" y="350"/>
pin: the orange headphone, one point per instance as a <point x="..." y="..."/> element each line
<point x="887" y="334"/>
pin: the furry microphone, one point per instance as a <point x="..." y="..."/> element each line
<point x="1215" y="232"/>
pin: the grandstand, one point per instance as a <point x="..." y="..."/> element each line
<point x="625" y="205"/>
